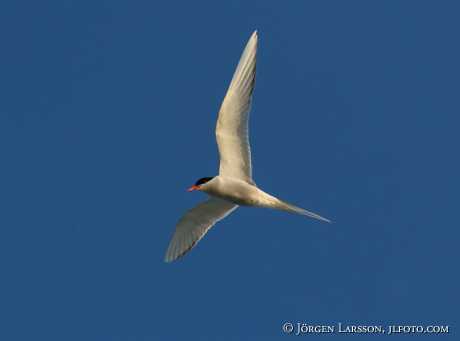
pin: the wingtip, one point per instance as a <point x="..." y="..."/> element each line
<point x="170" y="255"/>
<point x="167" y="259"/>
<point x="173" y="255"/>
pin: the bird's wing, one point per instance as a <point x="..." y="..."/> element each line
<point x="194" y="224"/>
<point x="232" y="125"/>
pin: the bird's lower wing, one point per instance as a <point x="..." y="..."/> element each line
<point x="194" y="225"/>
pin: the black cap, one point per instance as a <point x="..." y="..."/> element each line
<point x="203" y="181"/>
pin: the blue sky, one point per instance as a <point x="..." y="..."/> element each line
<point x="107" y="115"/>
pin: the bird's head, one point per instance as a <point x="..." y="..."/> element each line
<point x="200" y="182"/>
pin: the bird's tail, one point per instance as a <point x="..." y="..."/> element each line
<point x="282" y="205"/>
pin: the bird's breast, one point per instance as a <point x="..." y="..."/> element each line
<point x="236" y="191"/>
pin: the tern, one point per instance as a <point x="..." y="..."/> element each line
<point x="234" y="185"/>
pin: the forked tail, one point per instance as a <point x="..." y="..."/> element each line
<point x="282" y="205"/>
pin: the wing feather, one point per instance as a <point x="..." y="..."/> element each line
<point x="194" y="225"/>
<point x="232" y="130"/>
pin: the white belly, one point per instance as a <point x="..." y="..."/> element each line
<point x="238" y="192"/>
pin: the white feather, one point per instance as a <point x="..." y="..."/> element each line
<point x="232" y="130"/>
<point x="194" y="225"/>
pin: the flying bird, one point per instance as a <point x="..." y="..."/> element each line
<point x="234" y="185"/>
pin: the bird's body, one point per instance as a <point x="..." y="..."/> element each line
<point x="234" y="185"/>
<point x="236" y="191"/>
<point x="242" y="193"/>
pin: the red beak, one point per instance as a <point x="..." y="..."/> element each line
<point x="193" y="188"/>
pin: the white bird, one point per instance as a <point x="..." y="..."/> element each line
<point x="234" y="185"/>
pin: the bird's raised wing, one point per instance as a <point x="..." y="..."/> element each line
<point x="194" y="225"/>
<point x="232" y="125"/>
